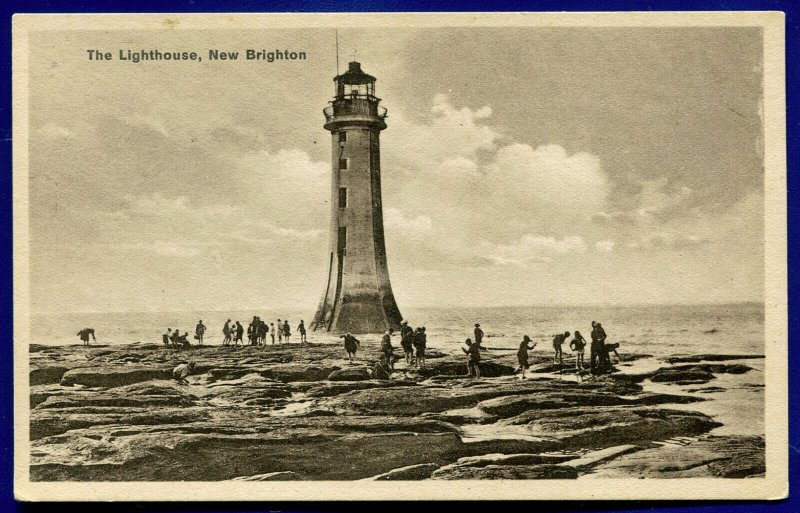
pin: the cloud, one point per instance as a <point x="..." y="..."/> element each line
<point x="449" y="134"/>
<point x="604" y="246"/>
<point x="394" y="219"/>
<point x="533" y="249"/>
<point x="547" y="181"/>
<point x="151" y="123"/>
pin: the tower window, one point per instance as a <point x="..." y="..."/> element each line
<point x="342" y="137"/>
<point x="342" y="197"/>
<point x="343" y="163"/>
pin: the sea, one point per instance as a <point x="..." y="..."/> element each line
<point x="660" y="330"/>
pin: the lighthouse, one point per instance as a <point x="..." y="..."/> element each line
<point x="358" y="296"/>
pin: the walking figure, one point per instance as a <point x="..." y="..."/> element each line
<point x="301" y="328"/>
<point x="226" y="330"/>
<point x="280" y="332"/>
<point x="239" y="334"/>
<point x="287" y="331"/>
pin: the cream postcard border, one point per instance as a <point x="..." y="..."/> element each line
<point x="773" y="486"/>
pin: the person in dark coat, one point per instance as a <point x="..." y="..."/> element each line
<point x="85" y="333"/>
<point x="226" y="330"/>
<point x="239" y="334"/>
<point x="301" y="328"/>
<point x="473" y="352"/>
<point x="522" y="355"/>
<point x="351" y="345"/>
<point x="597" y="361"/>
<point x="420" y="344"/>
<point x="199" y="331"/>
<point x="407" y="341"/>
<point x="478" y="334"/>
<point x="287" y="331"/>
<point x="387" y="349"/>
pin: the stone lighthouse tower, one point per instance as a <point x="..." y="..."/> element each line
<point x="358" y="297"/>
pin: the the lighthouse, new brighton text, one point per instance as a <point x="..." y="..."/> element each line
<point x="358" y="297"/>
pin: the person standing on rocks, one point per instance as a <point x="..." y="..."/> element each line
<point x="263" y="329"/>
<point x="226" y="330"/>
<point x="280" y="332"/>
<point x="407" y="341"/>
<point x="597" y="348"/>
<point x="287" y="331"/>
<point x="199" y="330"/>
<point x="577" y="345"/>
<point x="301" y="328"/>
<point x="166" y="337"/>
<point x="478" y="335"/>
<point x="85" y="333"/>
<point x="473" y="352"/>
<point x="420" y="342"/>
<point x="176" y="336"/>
<point x="558" y="341"/>
<point x="180" y="372"/>
<point x="522" y="355"/>
<point x="351" y="345"/>
<point x="386" y="348"/>
<point x="272" y="332"/>
<point x="252" y="331"/>
<point x="239" y="334"/>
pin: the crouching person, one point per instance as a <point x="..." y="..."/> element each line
<point x="180" y="372"/>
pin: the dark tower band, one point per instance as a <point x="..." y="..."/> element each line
<point x="358" y="297"/>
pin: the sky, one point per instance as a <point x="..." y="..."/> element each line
<point x="520" y="166"/>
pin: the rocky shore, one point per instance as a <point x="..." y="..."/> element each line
<point x="291" y="412"/>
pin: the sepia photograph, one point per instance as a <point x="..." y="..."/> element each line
<point x="295" y="256"/>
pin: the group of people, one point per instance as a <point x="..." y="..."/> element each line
<point x="413" y="341"/>
<point x="258" y="330"/>
<point x="600" y="359"/>
<point x="174" y="338"/>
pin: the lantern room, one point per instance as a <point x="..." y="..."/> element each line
<point x="354" y="83"/>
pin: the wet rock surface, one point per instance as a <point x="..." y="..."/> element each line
<point x="291" y="412"/>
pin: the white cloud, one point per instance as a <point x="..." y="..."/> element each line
<point x="395" y="220"/>
<point x="604" y="246"/>
<point x="147" y="122"/>
<point x="532" y="248"/>
<point x="449" y="135"/>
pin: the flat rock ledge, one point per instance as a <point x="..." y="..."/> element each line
<point x="305" y="412"/>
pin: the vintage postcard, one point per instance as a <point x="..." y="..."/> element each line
<point x="355" y="256"/>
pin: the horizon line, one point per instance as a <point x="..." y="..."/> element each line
<point x="534" y="305"/>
